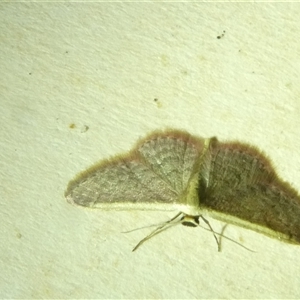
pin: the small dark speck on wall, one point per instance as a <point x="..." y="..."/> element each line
<point x="222" y="35"/>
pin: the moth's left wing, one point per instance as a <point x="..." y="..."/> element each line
<point x="152" y="176"/>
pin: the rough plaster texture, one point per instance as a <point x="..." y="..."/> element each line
<point x="80" y="82"/>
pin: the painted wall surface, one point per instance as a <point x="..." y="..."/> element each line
<point x="81" y="82"/>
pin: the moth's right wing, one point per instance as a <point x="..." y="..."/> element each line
<point x="239" y="185"/>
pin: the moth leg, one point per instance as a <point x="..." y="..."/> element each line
<point x="208" y="224"/>
<point x="193" y="221"/>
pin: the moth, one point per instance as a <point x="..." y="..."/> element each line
<point x="173" y="170"/>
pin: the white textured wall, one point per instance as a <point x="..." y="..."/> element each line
<point x="101" y="65"/>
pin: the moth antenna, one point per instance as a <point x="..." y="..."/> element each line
<point x="193" y="221"/>
<point x="153" y="225"/>
<point x="164" y="226"/>
<point x="188" y="221"/>
<point x="227" y="238"/>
